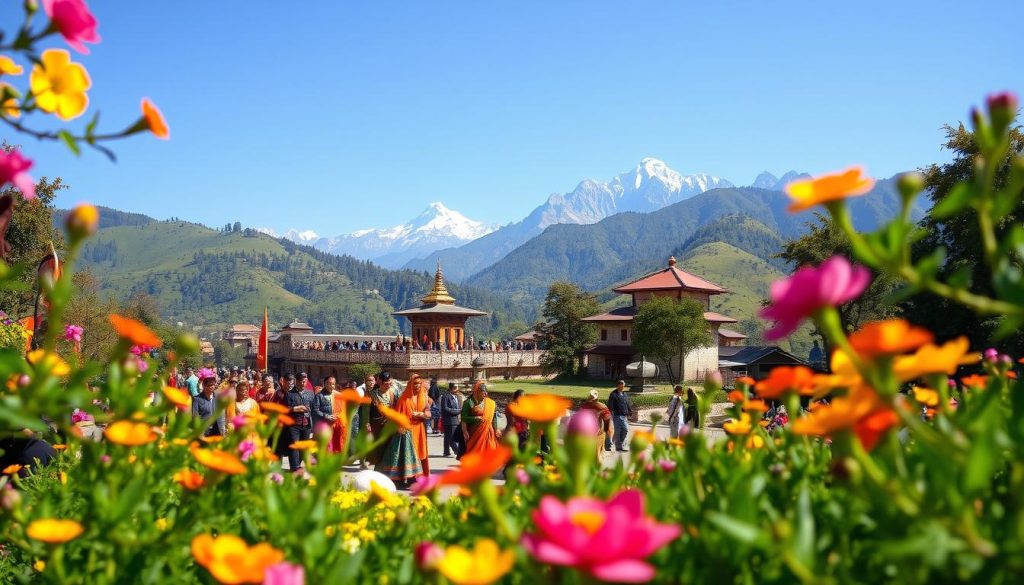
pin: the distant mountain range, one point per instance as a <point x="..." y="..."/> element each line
<point x="437" y="227"/>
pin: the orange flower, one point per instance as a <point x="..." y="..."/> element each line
<point x="284" y="420"/>
<point x="60" y="447"/>
<point x="233" y="562"/>
<point x="190" y="480"/>
<point x="935" y="359"/>
<point x="542" y="408"/>
<point x="782" y="379"/>
<point x="826" y="188"/>
<point x="218" y="460"/>
<point x="889" y="337"/>
<point x="353" y="397"/>
<point x="975" y="381"/>
<point x="274" y="407"/>
<point x="307" y="445"/>
<point x="477" y="466"/>
<point x="926" y="396"/>
<point x="871" y="428"/>
<point x="155" y="120"/>
<point x="53" y="530"/>
<point x="737" y="397"/>
<point x="12" y="469"/>
<point x="745" y="380"/>
<point x="178" y="397"/>
<point x="212" y="439"/>
<point x="396" y="417"/>
<point x="862" y="411"/>
<point x="755" y="406"/>
<point x="130" y="434"/>
<point x="741" y="426"/>
<point x="134" y="331"/>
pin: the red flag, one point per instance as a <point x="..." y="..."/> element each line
<point x="261" y="351"/>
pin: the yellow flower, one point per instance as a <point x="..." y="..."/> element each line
<point x="162" y="524"/>
<point x="130" y="434"/>
<point x="12" y="469"/>
<point x="83" y="220"/>
<point x="540" y="407"/>
<point x="483" y="565"/>
<point x="826" y="188"/>
<point x="306" y="445"/>
<point x="39" y="565"/>
<point x="935" y="359"/>
<point x="178" y="397"/>
<point x="46" y="361"/>
<point x="738" y="427"/>
<point x="382" y="496"/>
<point x="926" y="396"/>
<point x="9" y="67"/>
<point x="10" y="104"/>
<point x="755" y="442"/>
<point x="231" y="561"/>
<point x="54" y="531"/>
<point x="59" y="85"/>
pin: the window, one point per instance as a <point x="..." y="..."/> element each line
<point x="604" y="335"/>
<point x="624" y="334"/>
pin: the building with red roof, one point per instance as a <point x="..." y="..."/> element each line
<point x="614" y="348"/>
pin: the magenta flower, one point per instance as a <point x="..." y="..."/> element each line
<point x="284" y="573"/>
<point x="277" y="478"/>
<point x="13" y="169"/>
<point x="584" y="423"/>
<point x="246" y="449"/>
<point x="522" y="476"/>
<point x="667" y="465"/>
<point x="73" y="333"/>
<point x="424" y="485"/>
<point x="811" y="289"/>
<point x="74" y="21"/>
<point x="607" y="540"/>
<point x="427" y="555"/>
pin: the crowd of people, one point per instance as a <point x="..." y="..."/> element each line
<point x="404" y="344"/>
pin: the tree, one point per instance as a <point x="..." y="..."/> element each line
<point x="822" y="241"/>
<point x="236" y="227"/>
<point x="564" y="333"/>
<point x="359" y="372"/>
<point x="960" y="238"/>
<point x="669" y="329"/>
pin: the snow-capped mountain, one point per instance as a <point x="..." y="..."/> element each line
<point x="769" y="181"/>
<point x="436" y="228"/>
<point x="649" y="186"/>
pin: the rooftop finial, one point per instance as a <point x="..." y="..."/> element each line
<point x="671" y="261"/>
<point x="439" y="294"/>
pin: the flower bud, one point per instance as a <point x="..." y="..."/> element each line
<point x="910" y="184"/>
<point x="991" y="354"/>
<point x="83" y="221"/>
<point x="583" y="423"/>
<point x="522" y="476"/>
<point x="186" y="344"/>
<point x="1002" y="109"/>
<point x="10" y="498"/>
<point x="428" y="555"/>
<point x="323" y="431"/>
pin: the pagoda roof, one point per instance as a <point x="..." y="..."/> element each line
<point x="670" y="278"/>
<point x="626" y="314"/>
<point x="440" y="309"/>
<point x="730" y="334"/>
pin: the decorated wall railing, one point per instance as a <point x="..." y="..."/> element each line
<point x="421" y="359"/>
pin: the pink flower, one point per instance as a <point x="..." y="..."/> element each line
<point x="246" y="449"/>
<point x="583" y="422"/>
<point x="522" y="476"/>
<point x="240" y="421"/>
<point x="667" y="465"/>
<point x="277" y="478"/>
<point x="427" y="555"/>
<point x="12" y="170"/>
<point x="104" y="458"/>
<point x="424" y="484"/>
<point x="73" y="333"/>
<point x="607" y="540"/>
<point x="74" y="21"/>
<point x="284" y="573"/>
<point x="811" y="289"/>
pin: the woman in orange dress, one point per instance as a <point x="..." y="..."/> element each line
<point x="405" y="456"/>
<point x="478" y="420"/>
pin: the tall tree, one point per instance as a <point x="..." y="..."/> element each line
<point x="669" y="329"/>
<point x="959" y="236"/>
<point x="824" y="240"/>
<point x="564" y="333"/>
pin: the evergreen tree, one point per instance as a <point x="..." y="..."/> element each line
<point x="669" y="329"/>
<point x="564" y="334"/>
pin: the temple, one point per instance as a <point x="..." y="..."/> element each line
<point x="438" y="322"/>
<point x="614" y="349"/>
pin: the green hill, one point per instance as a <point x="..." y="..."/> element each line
<point x="205" y="277"/>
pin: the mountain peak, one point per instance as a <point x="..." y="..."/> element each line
<point x="769" y="181"/>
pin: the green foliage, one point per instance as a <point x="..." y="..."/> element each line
<point x="12" y="334"/>
<point x="563" y="333"/>
<point x="359" y="372"/>
<point x="669" y="329"/>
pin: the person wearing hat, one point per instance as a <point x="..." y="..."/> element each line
<point x="604" y="420"/>
<point x="675" y="412"/>
<point x="204" y="406"/>
<point x="451" y="419"/>
<point x="618" y="403"/>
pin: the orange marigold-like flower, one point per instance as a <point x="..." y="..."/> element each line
<point x="53" y="530"/>
<point x="737" y="396"/>
<point x="889" y="337"/>
<point x="862" y="412"/>
<point x="871" y="428"/>
<point x="926" y="396"/>
<point x="396" y="417"/>
<point x="233" y="562"/>
<point x="219" y="460"/>
<point x="541" y="408"/>
<point x="12" y="469"/>
<point x="130" y="434"/>
<point x="352" y="397"/>
<point x="975" y="381"/>
<point x="740" y="426"/>
<point x="826" y="188"/>
<point x="285" y="420"/>
<point x="782" y="379"/>
<point x="134" y="331"/>
<point x="755" y="406"/>
<point x="190" y="480"/>
<point x="307" y="445"/>
<point x="178" y="397"/>
<point x="477" y="466"/>
<point x="155" y="120"/>
<point x="935" y="359"/>
<point x="745" y="380"/>
<point x="274" y="407"/>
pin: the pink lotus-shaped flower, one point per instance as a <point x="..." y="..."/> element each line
<point x="74" y="21"/>
<point x="14" y="170"/>
<point x="284" y="573"/>
<point x="425" y="484"/>
<point x="811" y="289"/>
<point x="607" y="540"/>
<point x="73" y="333"/>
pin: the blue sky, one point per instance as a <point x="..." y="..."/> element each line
<point x="335" y="116"/>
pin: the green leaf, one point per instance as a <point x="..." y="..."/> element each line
<point x="958" y="198"/>
<point x="738" y="529"/>
<point x="803" y="537"/>
<point x="69" y="141"/>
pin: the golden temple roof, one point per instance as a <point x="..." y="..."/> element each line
<point x="439" y="294"/>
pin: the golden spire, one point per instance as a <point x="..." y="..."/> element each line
<point x="439" y="294"/>
<point x="671" y="261"/>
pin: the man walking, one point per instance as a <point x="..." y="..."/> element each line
<point x="362" y="413"/>
<point x="618" y="403"/>
<point x="451" y="420"/>
<point x="300" y="403"/>
<point x="204" y="406"/>
<point x="323" y="403"/>
<point x="192" y="381"/>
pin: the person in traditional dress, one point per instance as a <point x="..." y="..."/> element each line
<point x="243" y="404"/>
<point x="405" y="457"/>
<point x="380" y="394"/>
<point x="479" y="423"/>
<point x="604" y="421"/>
<point x="517" y="425"/>
<point x="340" y="435"/>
